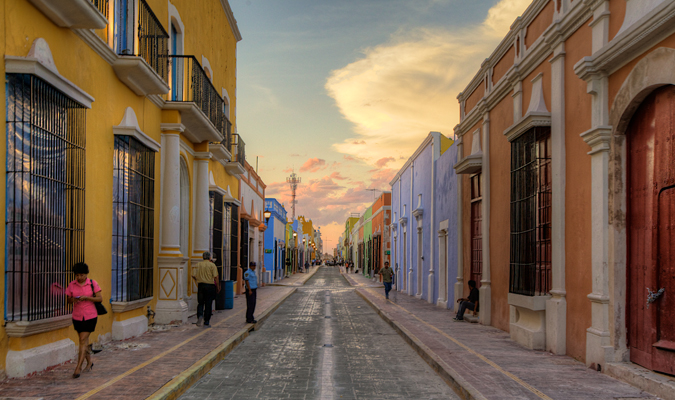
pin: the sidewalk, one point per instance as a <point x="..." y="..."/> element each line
<point x="482" y="362"/>
<point x="160" y="364"/>
<point x="297" y="279"/>
<point x="359" y="280"/>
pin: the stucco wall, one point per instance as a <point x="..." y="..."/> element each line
<point x="446" y="209"/>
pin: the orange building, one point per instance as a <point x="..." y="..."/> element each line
<point x="565" y="146"/>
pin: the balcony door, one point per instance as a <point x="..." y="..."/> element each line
<point x="124" y="27"/>
<point x="174" y="63"/>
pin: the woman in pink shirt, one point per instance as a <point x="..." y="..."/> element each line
<point x="82" y="293"/>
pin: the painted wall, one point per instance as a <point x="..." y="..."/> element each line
<point x="422" y="185"/>
<point x="446" y="209"/>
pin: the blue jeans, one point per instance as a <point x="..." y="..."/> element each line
<point x="387" y="289"/>
<point x="462" y="308"/>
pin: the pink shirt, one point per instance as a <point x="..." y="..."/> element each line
<point x="83" y="310"/>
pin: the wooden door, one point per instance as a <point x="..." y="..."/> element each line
<point x="650" y="224"/>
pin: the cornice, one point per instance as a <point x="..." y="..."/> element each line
<point x="629" y="44"/>
<point x="231" y="20"/>
<point x="530" y="120"/>
<point x="97" y="44"/>
<point x="412" y="158"/>
<point x="418" y="213"/>
<point x="598" y="138"/>
<point x="172" y="127"/>
<point x="470" y="164"/>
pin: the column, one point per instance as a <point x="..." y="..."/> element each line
<point x="556" y="307"/>
<point x="459" y="285"/>
<point x="171" y="306"/>
<point x="485" y="290"/>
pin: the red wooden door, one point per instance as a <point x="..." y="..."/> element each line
<point x="650" y="224"/>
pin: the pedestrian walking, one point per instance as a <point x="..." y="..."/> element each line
<point x="251" y="281"/>
<point x="82" y="293"/>
<point x="208" y="284"/>
<point x="306" y="267"/>
<point x="387" y="274"/>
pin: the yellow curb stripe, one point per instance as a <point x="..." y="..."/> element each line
<point x="470" y="350"/>
<point x="152" y="360"/>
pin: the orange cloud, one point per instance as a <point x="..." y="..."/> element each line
<point x="313" y="165"/>
<point x="383" y="161"/>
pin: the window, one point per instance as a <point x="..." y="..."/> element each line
<point x="44" y="229"/>
<point x="234" y="240"/>
<point x="216" y="228"/>
<point x="124" y="27"/>
<point x="476" y="230"/>
<point x="133" y="220"/>
<point x="530" y="272"/>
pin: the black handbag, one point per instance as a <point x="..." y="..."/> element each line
<point x="100" y="308"/>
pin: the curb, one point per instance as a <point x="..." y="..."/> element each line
<point x="182" y="382"/>
<point x="463" y="388"/>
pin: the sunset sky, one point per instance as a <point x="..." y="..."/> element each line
<point x="343" y="91"/>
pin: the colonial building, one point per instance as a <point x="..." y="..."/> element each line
<point x="424" y="219"/>
<point x="118" y="136"/>
<point x="565" y="151"/>
<point x="252" y="227"/>
<point x="275" y="240"/>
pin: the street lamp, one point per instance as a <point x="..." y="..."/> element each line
<point x="267" y="215"/>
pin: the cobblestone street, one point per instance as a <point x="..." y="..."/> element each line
<point x="323" y="342"/>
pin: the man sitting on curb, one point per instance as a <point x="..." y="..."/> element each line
<point x="471" y="303"/>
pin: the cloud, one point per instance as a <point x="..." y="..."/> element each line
<point x="349" y="158"/>
<point x="400" y="90"/>
<point x="295" y="155"/>
<point x="313" y="165"/>
<point x="384" y="161"/>
<point x="287" y="170"/>
<point x="337" y="175"/>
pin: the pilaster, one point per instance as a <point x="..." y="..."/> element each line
<point x="556" y="307"/>
<point x="485" y="291"/>
<point x="459" y="285"/>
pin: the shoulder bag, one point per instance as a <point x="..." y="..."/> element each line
<point x="100" y="308"/>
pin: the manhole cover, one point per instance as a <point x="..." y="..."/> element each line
<point x="327" y="345"/>
<point x="327" y="316"/>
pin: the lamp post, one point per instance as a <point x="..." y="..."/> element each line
<point x="295" y="249"/>
<point x="267" y="214"/>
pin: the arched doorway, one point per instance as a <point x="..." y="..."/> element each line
<point x="650" y="232"/>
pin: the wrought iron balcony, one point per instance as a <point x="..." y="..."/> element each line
<point x="143" y="65"/>
<point x="201" y="107"/>
<point x="238" y="149"/>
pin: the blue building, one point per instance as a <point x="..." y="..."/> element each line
<point x="275" y="240"/>
<point x="424" y="219"/>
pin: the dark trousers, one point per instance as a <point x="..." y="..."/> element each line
<point x="462" y="308"/>
<point x="250" y="305"/>
<point x="205" y="296"/>
<point x="387" y="288"/>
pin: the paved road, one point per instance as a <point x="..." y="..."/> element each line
<point x="300" y="353"/>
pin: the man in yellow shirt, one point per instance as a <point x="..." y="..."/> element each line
<point x="206" y="275"/>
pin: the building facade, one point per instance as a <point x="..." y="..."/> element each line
<point x="424" y="207"/>
<point x="150" y="87"/>
<point x="563" y="140"/>
<point x="275" y="240"/>
<point x="252" y="229"/>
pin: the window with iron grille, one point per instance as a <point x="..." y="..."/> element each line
<point x="216" y="231"/>
<point x="133" y="220"/>
<point x="44" y="228"/>
<point x="530" y="269"/>
<point x="476" y="229"/>
<point x="234" y="240"/>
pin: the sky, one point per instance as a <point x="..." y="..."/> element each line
<point x="343" y="91"/>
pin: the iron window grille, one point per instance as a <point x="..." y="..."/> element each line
<point x="45" y="183"/>
<point x="476" y="229"/>
<point x="133" y="220"/>
<point x="101" y="6"/>
<point x="216" y="228"/>
<point x="530" y="269"/>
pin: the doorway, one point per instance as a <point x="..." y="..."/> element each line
<point x="650" y="237"/>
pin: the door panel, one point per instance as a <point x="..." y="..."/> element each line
<point x="650" y="224"/>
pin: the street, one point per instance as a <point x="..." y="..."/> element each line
<point x="324" y="342"/>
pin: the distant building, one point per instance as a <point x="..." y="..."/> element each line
<point x="275" y="240"/>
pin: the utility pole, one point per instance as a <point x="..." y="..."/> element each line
<point x="293" y="181"/>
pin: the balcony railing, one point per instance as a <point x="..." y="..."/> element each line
<point x="189" y="83"/>
<point x="238" y="149"/>
<point x="102" y="6"/>
<point x="153" y="40"/>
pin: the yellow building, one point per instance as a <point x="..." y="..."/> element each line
<point x="119" y="121"/>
